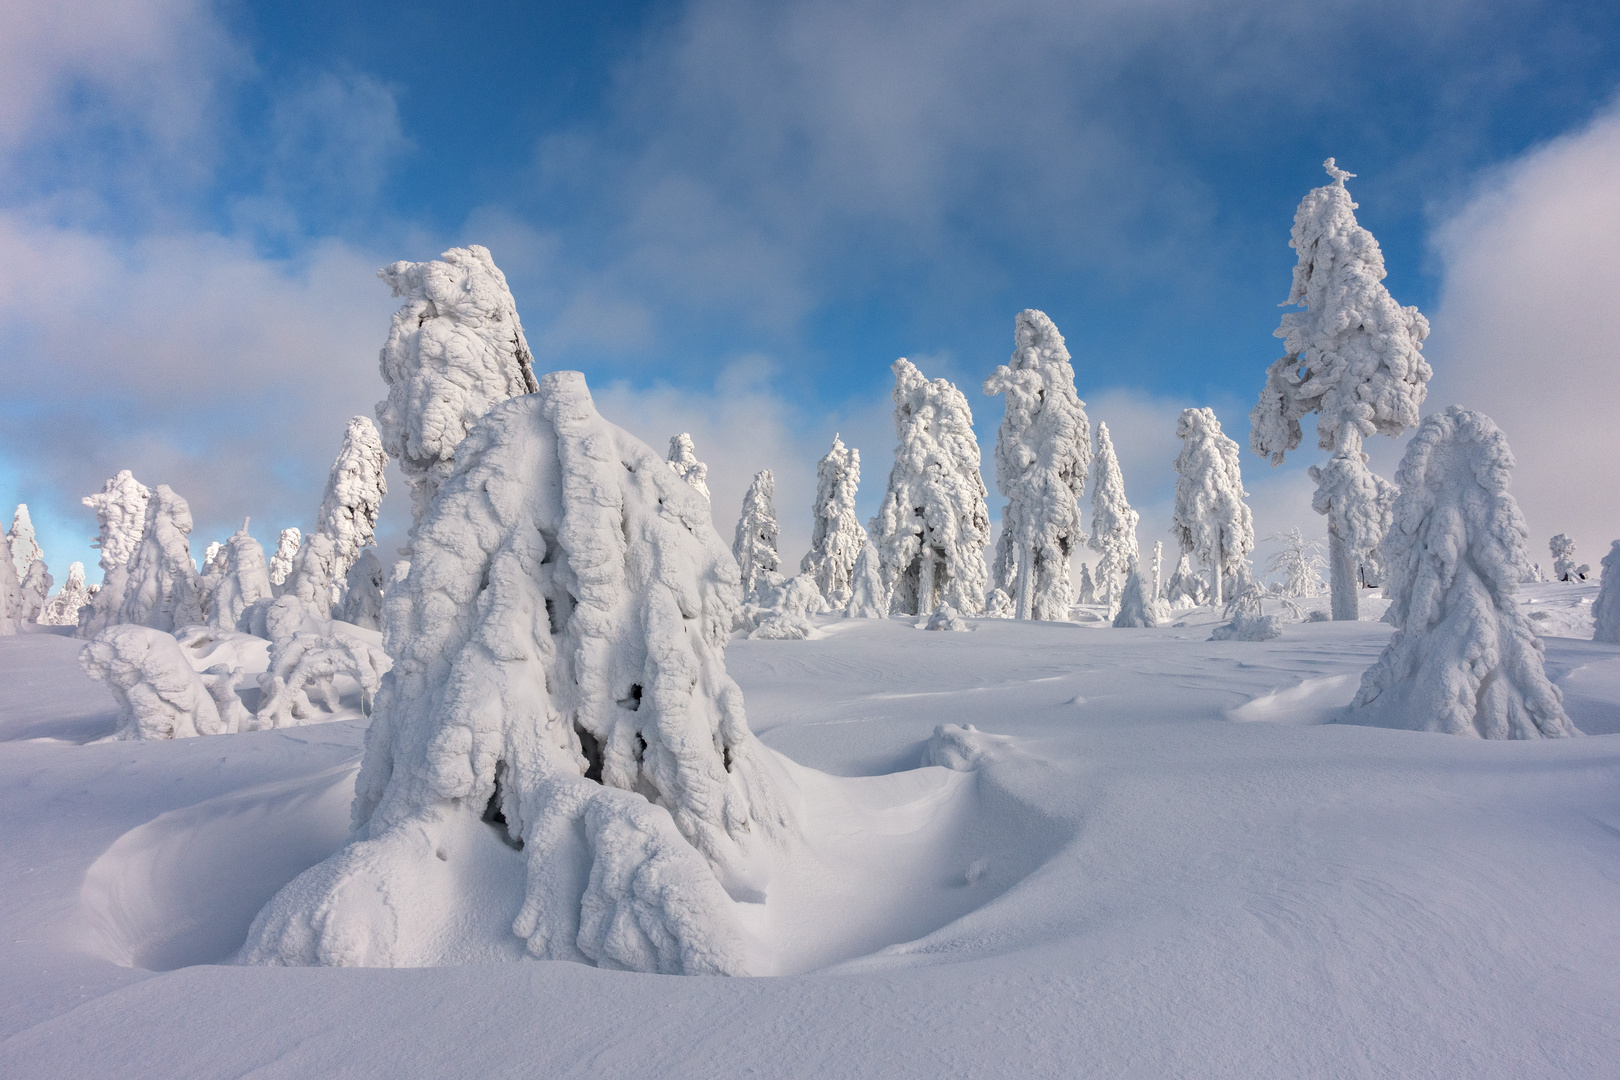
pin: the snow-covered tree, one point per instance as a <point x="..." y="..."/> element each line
<point x="159" y="695"/>
<point x="25" y="549"/>
<point x="1186" y="585"/>
<point x="755" y="542"/>
<point x="1088" y="585"/>
<point x="35" y="588"/>
<point x="1354" y="358"/>
<point x="1563" y="557"/>
<point x="559" y="677"/>
<point x="1158" y="569"/>
<point x="308" y="664"/>
<point x="162" y="589"/>
<point x="868" y="598"/>
<point x="1113" y="523"/>
<point x="1464" y="659"/>
<point x="244" y="580"/>
<point x="63" y="608"/>
<point x="932" y="527"/>
<point x="121" y="518"/>
<point x="836" y="536"/>
<point x="11" y="598"/>
<point x="1043" y="449"/>
<point x="1136" y="607"/>
<point x="363" y="593"/>
<point x="683" y="459"/>
<point x="1299" y="562"/>
<point x="1210" y="521"/>
<point x="354" y="494"/>
<point x="1606" y="608"/>
<point x="315" y="580"/>
<point x="455" y="350"/>
<point x="281" y="563"/>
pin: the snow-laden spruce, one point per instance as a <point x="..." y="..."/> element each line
<point x="868" y="597"/>
<point x="1210" y="521"/>
<point x="315" y="580"/>
<point x="836" y="536"/>
<point x="932" y="526"/>
<point x="1354" y="358"/>
<point x="25" y="549"/>
<point x="683" y="459"/>
<point x="560" y="681"/>
<point x="1158" y="570"/>
<point x="354" y="494"/>
<point x="1606" y="608"/>
<point x="754" y="544"/>
<point x="1137" y="607"/>
<point x="1563" y="559"/>
<point x="159" y="695"/>
<point x="1113" y="523"/>
<point x="63" y="608"/>
<point x="120" y="508"/>
<point x="281" y="563"/>
<point x="1464" y="659"/>
<point x="1043" y="450"/>
<point x="1186" y="588"/>
<point x="11" y="597"/>
<point x="162" y="589"/>
<point x="35" y="589"/>
<point x="1088" y="585"/>
<point x="1300" y="563"/>
<point x="244" y="580"/>
<point x="455" y="350"/>
<point x="363" y="593"/>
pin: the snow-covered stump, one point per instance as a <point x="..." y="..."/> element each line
<point x="159" y="695"/>
<point x="1210" y="520"/>
<point x="754" y="544"/>
<point x="683" y="459"/>
<point x="1463" y="659"/>
<point x="836" y="536"/>
<point x="1606" y="608"/>
<point x="1113" y="523"/>
<point x="559" y="683"/>
<point x="1043" y="451"/>
<point x="162" y="588"/>
<point x="244" y="580"/>
<point x="63" y="608"/>
<point x="867" y="597"/>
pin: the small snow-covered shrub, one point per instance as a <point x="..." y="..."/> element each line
<point x="314" y="578"/>
<point x="782" y="627"/>
<point x="998" y="605"/>
<point x="1137" y="608"/>
<point x="1186" y="588"/>
<point x="946" y="618"/>
<point x="1606" y="608"/>
<point x="1563" y="557"/>
<point x="1300" y="563"/>
<point x="159" y="695"/>
<point x="836" y="536"/>
<point x="779" y="608"/>
<point x="306" y="666"/>
<point x="243" y="580"/>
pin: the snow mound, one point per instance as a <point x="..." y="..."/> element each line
<point x="962" y="748"/>
<point x="159" y="695"/>
<point x="946" y="618"/>
<point x="1247" y="626"/>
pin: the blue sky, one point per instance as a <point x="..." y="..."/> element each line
<point x="733" y="217"/>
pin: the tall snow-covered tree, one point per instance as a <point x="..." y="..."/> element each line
<point x="24" y="548"/>
<point x="560" y="680"/>
<point x="932" y="526"/>
<point x="1043" y="449"/>
<point x="1113" y="523"/>
<point x="1158" y="569"/>
<point x="281" y="563"/>
<point x="63" y="608"/>
<point x="1354" y="358"/>
<point x="36" y="589"/>
<point x="683" y="459"/>
<point x="755" y="543"/>
<point x="868" y="599"/>
<point x="354" y="493"/>
<point x="1088" y="585"/>
<point x="1211" y="521"/>
<point x="120" y="508"/>
<point x="836" y="536"/>
<point x="1606" y="608"/>
<point x="1464" y="659"/>
<point x="455" y="350"/>
<point x="244" y="580"/>
<point x="162" y="590"/>
<point x="11" y="596"/>
<point x="1300" y="563"/>
<point x="1563" y="558"/>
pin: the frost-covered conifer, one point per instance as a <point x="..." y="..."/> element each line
<point x="1211" y="521"/>
<point x="559" y="680"/>
<point x="932" y="527"/>
<point x="1563" y="556"/>
<point x="1606" y="608"/>
<point x="1185" y="585"/>
<point x="35" y="588"/>
<point x="836" y="536"/>
<point x="1354" y="358"/>
<point x="24" y="548"/>
<point x="755" y="542"/>
<point x="314" y="580"/>
<point x="868" y="598"/>
<point x="11" y="598"/>
<point x="121" y="519"/>
<point x="354" y="494"/>
<point x="1043" y="449"/>
<point x="1158" y="569"/>
<point x="455" y="350"/>
<point x="1088" y="585"/>
<point x="281" y="563"/>
<point x="1136" y="607"/>
<point x="1299" y="562"/>
<point x="1113" y="523"/>
<point x="1464" y="659"/>
<point x="310" y="663"/>
<point x="363" y="593"/>
<point x="162" y="590"/>
<point x="159" y="695"/>
<point x="683" y="459"/>
<point x="244" y="580"/>
<point x="63" y="608"/>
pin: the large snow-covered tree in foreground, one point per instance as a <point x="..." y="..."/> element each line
<point x="932" y="526"/>
<point x="1211" y="521"/>
<point x="683" y="459"/>
<point x="836" y="536"/>
<point x="1043" y="450"/>
<point x="455" y="349"/>
<point x="1464" y="659"/>
<point x="1606" y="608"/>
<point x="559" y="682"/>
<point x="1353" y="357"/>
<point x="1113" y="523"/>
<point x="754" y="544"/>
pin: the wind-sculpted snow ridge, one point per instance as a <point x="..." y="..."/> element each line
<point x="1113" y="524"/>
<point x="454" y="351"/>
<point x="559" y="683"/>
<point x="363" y="593"/>
<point x="1353" y="357"/>
<point x="159" y="695"/>
<point x="25" y="549"/>
<point x="868" y="599"/>
<point x="932" y="527"/>
<point x="1606" y="608"/>
<point x="1210" y="520"/>
<point x="754" y="544"/>
<point x="162" y="589"/>
<point x="307" y="665"/>
<point x="63" y="608"/>
<point x="683" y="459"/>
<point x="244" y="580"/>
<point x="354" y="494"/>
<point x="281" y="563"/>
<point x="1463" y="659"/>
<point x="1043" y="451"/>
<point x="836" y="536"/>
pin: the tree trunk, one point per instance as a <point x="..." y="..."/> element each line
<point x="1343" y="569"/>
<point x="1026" y="581"/>
<point x="925" y="583"/>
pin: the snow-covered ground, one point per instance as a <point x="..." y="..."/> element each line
<point x="1167" y="862"/>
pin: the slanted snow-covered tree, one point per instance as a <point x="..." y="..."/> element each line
<point x="1043" y="451"/>
<point x="754" y="545"/>
<point x="281" y="563"/>
<point x="1606" y="608"/>
<point x="244" y="580"/>
<point x="120" y="508"/>
<point x="868" y="598"/>
<point x="1300" y="563"/>
<point x="63" y="608"/>
<point x="836" y="536"/>
<point x="683" y="459"/>
<point x="1464" y="659"/>
<point x="455" y="350"/>
<point x="1563" y="557"/>
<point x="25" y="548"/>
<point x="932" y="526"/>
<point x="162" y="589"/>
<point x="559" y="682"/>
<point x="1353" y="357"/>
<point x="354" y="494"/>
<point x="1210" y="521"/>
<point x="1113" y="523"/>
